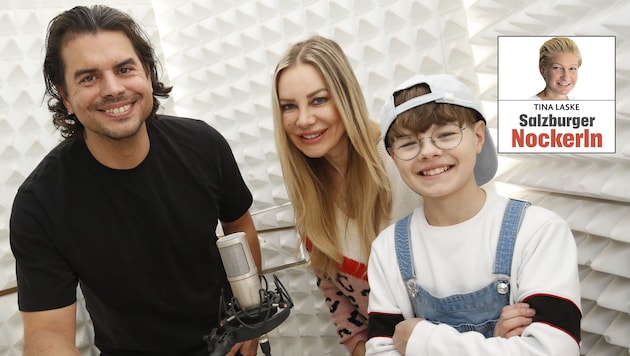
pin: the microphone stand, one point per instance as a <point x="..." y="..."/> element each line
<point x="238" y="324"/>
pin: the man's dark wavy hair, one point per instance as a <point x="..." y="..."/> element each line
<point x="90" y="20"/>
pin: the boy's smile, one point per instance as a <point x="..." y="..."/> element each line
<point x="435" y="172"/>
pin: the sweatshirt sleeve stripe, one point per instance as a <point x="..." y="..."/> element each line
<point x="557" y="312"/>
<point x="383" y="325"/>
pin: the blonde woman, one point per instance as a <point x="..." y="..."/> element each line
<point x="332" y="159"/>
<point x="558" y="63"/>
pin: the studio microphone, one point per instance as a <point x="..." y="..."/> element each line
<point x="253" y="311"/>
<point x="240" y="268"/>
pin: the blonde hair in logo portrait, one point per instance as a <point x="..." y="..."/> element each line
<point x="525" y="63"/>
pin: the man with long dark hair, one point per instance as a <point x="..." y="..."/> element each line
<point x="126" y="206"/>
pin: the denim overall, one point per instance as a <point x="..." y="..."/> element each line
<point x="475" y="311"/>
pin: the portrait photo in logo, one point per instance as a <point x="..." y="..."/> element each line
<point x="556" y="94"/>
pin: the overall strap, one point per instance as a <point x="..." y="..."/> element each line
<point x="512" y="219"/>
<point x="403" y="255"/>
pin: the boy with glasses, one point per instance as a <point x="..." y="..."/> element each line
<point x="441" y="276"/>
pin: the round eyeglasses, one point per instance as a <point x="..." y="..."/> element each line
<point x="445" y="137"/>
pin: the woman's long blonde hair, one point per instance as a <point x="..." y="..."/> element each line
<point x="309" y="180"/>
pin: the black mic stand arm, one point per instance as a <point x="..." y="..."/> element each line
<point x="237" y="324"/>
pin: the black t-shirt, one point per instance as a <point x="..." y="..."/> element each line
<point x="141" y="242"/>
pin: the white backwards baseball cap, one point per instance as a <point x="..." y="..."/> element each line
<point x="445" y="88"/>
